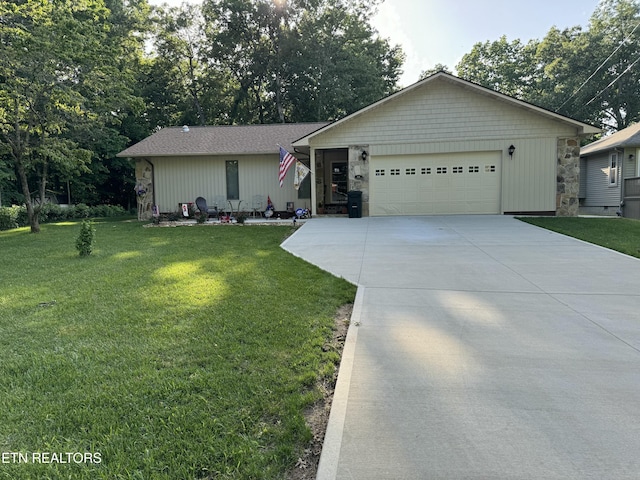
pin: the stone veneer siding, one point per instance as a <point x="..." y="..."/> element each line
<point x="568" y="177"/>
<point x="144" y="179"/>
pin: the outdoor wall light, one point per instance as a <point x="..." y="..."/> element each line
<point x="511" y="149"/>
<point x="631" y="157"/>
<point x="364" y="155"/>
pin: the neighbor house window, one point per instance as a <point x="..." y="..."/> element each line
<point x="233" y="187"/>
<point x="613" y="169"/>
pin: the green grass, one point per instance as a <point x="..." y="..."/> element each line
<point x="621" y="234"/>
<point x="175" y="353"/>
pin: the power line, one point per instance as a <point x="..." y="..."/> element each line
<point x="598" y="69"/>
<point x="614" y="81"/>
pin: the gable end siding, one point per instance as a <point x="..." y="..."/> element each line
<point x="442" y="112"/>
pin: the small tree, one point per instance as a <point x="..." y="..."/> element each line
<point x="85" y="239"/>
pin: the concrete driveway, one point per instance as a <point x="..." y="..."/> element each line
<point x="480" y="347"/>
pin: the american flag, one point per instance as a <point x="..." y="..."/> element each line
<point x="286" y="160"/>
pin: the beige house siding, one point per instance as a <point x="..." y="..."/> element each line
<point x="441" y="111"/>
<point x="448" y="118"/>
<point x="182" y="179"/>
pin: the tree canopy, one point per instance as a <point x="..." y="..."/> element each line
<point x="592" y="74"/>
<point x="82" y="79"/>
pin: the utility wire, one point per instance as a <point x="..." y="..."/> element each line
<point x="598" y="69"/>
<point x="614" y="81"/>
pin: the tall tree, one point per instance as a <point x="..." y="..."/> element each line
<point x="614" y="37"/>
<point x="178" y="40"/>
<point x="43" y="44"/>
<point x="299" y="60"/>
<point x="592" y="75"/>
<point x="66" y="86"/>
<point x="338" y="64"/>
<point x="508" y="67"/>
<point x="439" y="67"/>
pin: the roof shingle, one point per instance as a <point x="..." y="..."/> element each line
<point x="220" y="140"/>
<point x="627" y="137"/>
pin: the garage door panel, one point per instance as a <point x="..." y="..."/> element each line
<point x="436" y="184"/>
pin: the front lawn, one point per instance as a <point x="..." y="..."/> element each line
<point x="621" y="234"/>
<point x="169" y="353"/>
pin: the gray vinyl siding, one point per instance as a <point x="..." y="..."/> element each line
<point x="599" y="192"/>
<point x="180" y="180"/>
<point x="442" y="117"/>
<point x="583" y="178"/>
<point x="629" y="169"/>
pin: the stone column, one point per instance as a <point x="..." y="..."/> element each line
<point x="568" y="177"/>
<point x="144" y="189"/>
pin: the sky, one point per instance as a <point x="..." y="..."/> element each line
<point x="442" y="31"/>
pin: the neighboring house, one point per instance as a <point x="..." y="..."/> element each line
<point x="610" y="174"/>
<point x="441" y="146"/>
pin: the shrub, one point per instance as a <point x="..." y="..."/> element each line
<point x="51" y="213"/>
<point x="9" y="217"/>
<point x="85" y="239"/>
<point x="81" y="211"/>
<point x="99" y="211"/>
<point x="22" y="218"/>
<point x="16" y="216"/>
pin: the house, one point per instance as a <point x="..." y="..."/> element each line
<point x="223" y="164"/>
<point x="440" y="146"/>
<point x="610" y="174"/>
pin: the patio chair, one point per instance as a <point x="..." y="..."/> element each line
<point x="201" y="203"/>
<point x="220" y="204"/>
<point x="258" y="205"/>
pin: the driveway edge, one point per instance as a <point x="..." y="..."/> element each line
<point x="332" y="443"/>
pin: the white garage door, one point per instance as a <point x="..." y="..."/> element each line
<point x="439" y="184"/>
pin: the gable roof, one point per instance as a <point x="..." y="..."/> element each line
<point x="220" y="140"/>
<point x="627" y="137"/>
<point x="583" y="128"/>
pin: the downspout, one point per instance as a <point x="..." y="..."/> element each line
<point x="619" y="213"/>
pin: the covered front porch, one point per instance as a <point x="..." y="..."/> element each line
<point x="336" y="172"/>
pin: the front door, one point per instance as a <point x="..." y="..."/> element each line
<point x="339" y="182"/>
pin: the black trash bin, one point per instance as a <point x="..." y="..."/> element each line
<point x="354" y="203"/>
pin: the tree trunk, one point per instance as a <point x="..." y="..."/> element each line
<point x="18" y="147"/>
<point x="31" y="213"/>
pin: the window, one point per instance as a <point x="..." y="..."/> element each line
<point x="394" y="171"/>
<point x="233" y="187"/>
<point x="426" y="171"/>
<point x="410" y="171"/>
<point x="474" y="169"/>
<point x="380" y="172"/>
<point x="441" y="170"/>
<point x="613" y="169"/>
<point x="458" y="170"/>
<point x="489" y="168"/>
